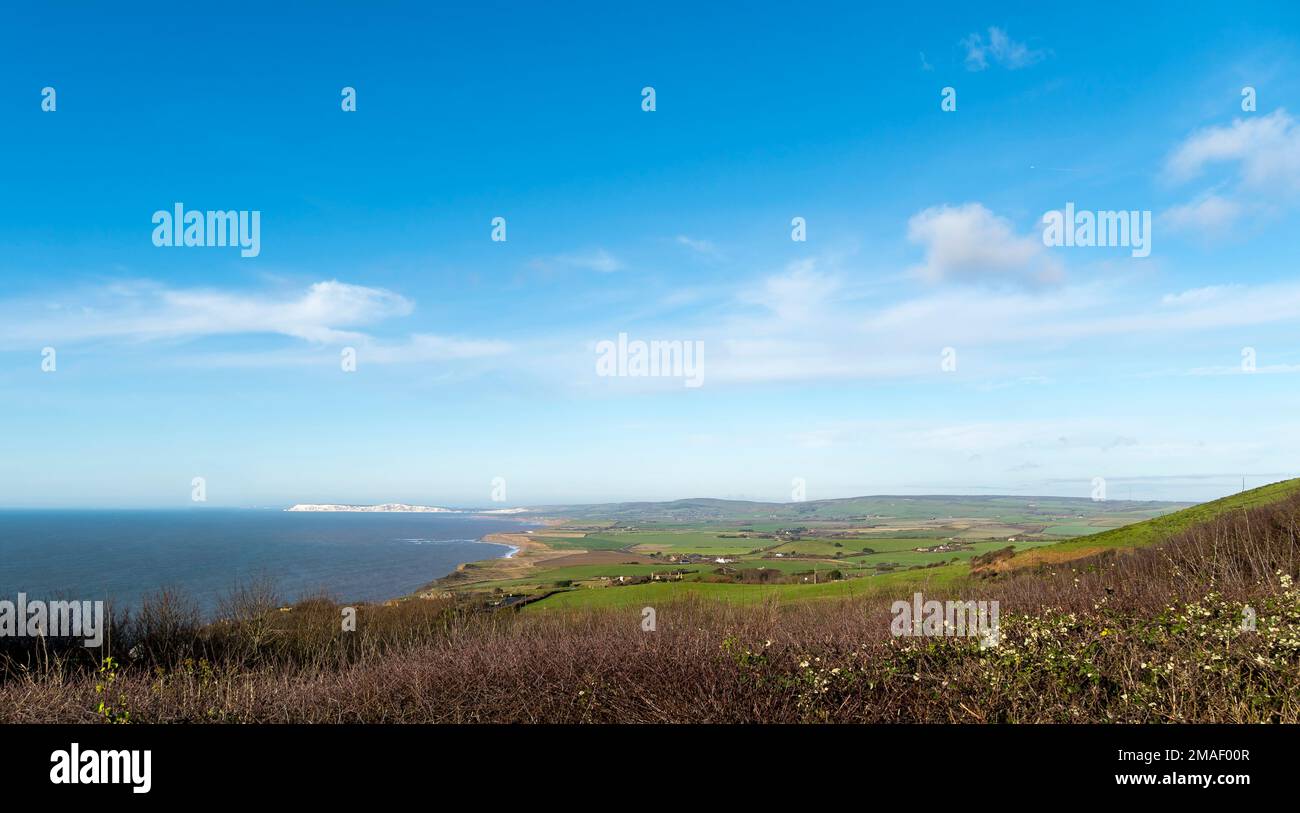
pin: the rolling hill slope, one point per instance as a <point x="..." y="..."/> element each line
<point x="1147" y="532"/>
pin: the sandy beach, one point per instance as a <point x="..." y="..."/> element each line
<point x="527" y="550"/>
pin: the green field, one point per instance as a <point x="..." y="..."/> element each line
<point x="591" y="542"/>
<point x="643" y="595"/>
<point x="819" y="555"/>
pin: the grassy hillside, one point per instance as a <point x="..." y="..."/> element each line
<point x="1151" y="531"/>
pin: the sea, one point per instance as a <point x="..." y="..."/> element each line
<point x="123" y="555"/>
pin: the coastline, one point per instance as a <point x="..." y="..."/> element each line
<point x="527" y="551"/>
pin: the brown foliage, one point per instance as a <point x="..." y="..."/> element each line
<point x="1144" y="635"/>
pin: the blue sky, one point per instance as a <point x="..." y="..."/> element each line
<point x="476" y="359"/>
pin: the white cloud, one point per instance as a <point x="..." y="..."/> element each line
<point x="1200" y="296"/>
<point x="802" y="324"/>
<point x="704" y="248"/>
<point x="146" y="311"/>
<point x="1236" y="369"/>
<point x="327" y="315"/>
<point x="1263" y="157"/>
<point x="814" y="327"/>
<point x="1209" y="213"/>
<point x="1265" y="148"/>
<point x="796" y="294"/>
<point x="598" y="260"/>
<point x="421" y="347"/>
<point x="970" y="243"/>
<point x="418" y="348"/>
<point x="1000" y="49"/>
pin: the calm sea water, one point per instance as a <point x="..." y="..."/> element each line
<point x="123" y="555"/>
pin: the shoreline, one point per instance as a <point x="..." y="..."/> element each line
<point x="527" y="550"/>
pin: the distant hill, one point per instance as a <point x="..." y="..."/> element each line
<point x="927" y="507"/>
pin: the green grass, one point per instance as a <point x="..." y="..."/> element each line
<point x="593" y="542"/>
<point x="545" y="578"/>
<point x="1152" y="531"/>
<point x="910" y="557"/>
<point x="646" y="595"/>
<point x="887" y="544"/>
<point x="818" y="547"/>
<point x="1070" y="529"/>
<point x="790" y="565"/>
<point x="694" y="541"/>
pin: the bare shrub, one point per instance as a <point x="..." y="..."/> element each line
<point x="1146" y="635"/>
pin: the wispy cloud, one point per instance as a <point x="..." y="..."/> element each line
<point x="802" y="323"/>
<point x="146" y="311"/>
<point x="1207" y="213"/>
<point x="1262" y="369"/>
<point x="811" y="326"/>
<point x="798" y="293"/>
<point x="703" y="248"/>
<point x="998" y="48"/>
<point x="1263" y="156"/>
<point x="327" y="314"/>
<point x="1266" y="148"/>
<point x="424" y="347"/>
<point x="598" y="260"/>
